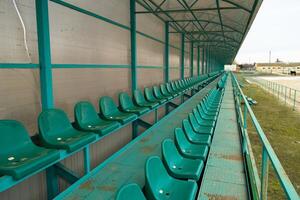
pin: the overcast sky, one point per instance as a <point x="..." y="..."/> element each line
<point x="276" y="28"/>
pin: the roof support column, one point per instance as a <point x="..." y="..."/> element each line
<point x="192" y="59"/>
<point x="206" y="60"/>
<point x="167" y="50"/>
<point x="133" y="59"/>
<point x="198" y="60"/>
<point x="202" y="62"/>
<point x="182" y="56"/>
<point x="133" y="45"/>
<point x="42" y="19"/>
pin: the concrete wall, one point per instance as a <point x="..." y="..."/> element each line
<point x="78" y="39"/>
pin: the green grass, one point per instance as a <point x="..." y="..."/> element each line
<point x="282" y="128"/>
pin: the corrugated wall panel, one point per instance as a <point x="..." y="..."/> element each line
<point x="20" y="96"/>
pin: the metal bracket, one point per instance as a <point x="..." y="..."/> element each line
<point x="172" y="104"/>
<point x="65" y="173"/>
<point x="143" y="123"/>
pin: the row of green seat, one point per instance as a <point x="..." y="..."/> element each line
<point x="19" y="156"/>
<point x="175" y="176"/>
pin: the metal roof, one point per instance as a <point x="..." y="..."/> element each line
<point x="220" y="25"/>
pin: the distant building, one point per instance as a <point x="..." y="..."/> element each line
<point x="278" y="67"/>
<point x="247" y="67"/>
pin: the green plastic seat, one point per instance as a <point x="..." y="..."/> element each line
<point x="130" y="191"/>
<point x="170" y="90"/>
<point x="161" y="186"/>
<point x="174" y="88"/>
<point x="187" y="149"/>
<point x="199" y="128"/>
<point x="56" y="131"/>
<point x="140" y="100"/>
<point x="159" y="95"/>
<point x="208" y="112"/>
<point x="179" y="166"/>
<point x="87" y="119"/>
<point x="126" y="105"/>
<point x="201" y="121"/>
<point x="151" y="98"/>
<point x="110" y="111"/>
<point x="165" y="92"/>
<point x="194" y="137"/>
<point x="205" y="116"/>
<point x="19" y="156"/>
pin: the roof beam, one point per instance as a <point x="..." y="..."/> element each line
<point x="237" y="5"/>
<point x="184" y="10"/>
<point x="220" y="19"/>
<point x="213" y="22"/>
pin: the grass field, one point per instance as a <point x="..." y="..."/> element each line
<point x="282" y="128"/>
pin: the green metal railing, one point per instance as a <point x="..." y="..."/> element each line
<point x="288" y="95"/>
<point x="259" y="185"/>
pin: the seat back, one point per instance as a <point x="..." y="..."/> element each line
<point x="173" y="86"/>
<point x="187" y="127"/>
<point x="180" y="138"/>
<point x="13" y="136"/>
<point x="156" y="178"/>
<point x="168" y="86"/>
<point x="52" y="123"/>
<point x="170" y="153"/>
<point x="85" y="113"/>
<point x="107" y="106"/>
<point x="125" y="101"/>
<point x="163" y="90"/>
<point x="130" y="191"/>
<point x="139" y="97"/>
<point x="157" y="92"/>
<point x="149" y="94"/>
<point x="193" y="121"/>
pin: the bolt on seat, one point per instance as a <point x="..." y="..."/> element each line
<point x="199" y="128"/>
<point x="159" y="95"/>
<point x="19" y="156"/>
<point x="140" y="100"/>
<point x="126" y="105"/>
<point x="187" y="149"/>
<point x="87" y="119"/>
<point x="179" y="166"/>
<point x="110" y="111"/>
<point x="194" y="137"/>
<point x="56" y="131"/>
<point x="130" y="191"/>
<point x="151" y="98"/>
<point x="160" y="185"/>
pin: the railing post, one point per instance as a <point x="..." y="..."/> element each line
<point x="295" y="100"/>
<point x="87" y="164"/>
<point x="245" y="126"/>
<point x="285" y="89"/>
<point x="264" y="175"/>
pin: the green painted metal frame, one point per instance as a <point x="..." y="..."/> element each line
<point x="133" y="45"/>
<point x="44" y="49"/>
<point x="192" y="59"/>
<point x="167" y="52"/>
<point x="198" y="60"/>
<point x="182" y="56"/>
<point x="268" y="154"/>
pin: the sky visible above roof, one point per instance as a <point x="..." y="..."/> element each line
<point x="276" y="28"/>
